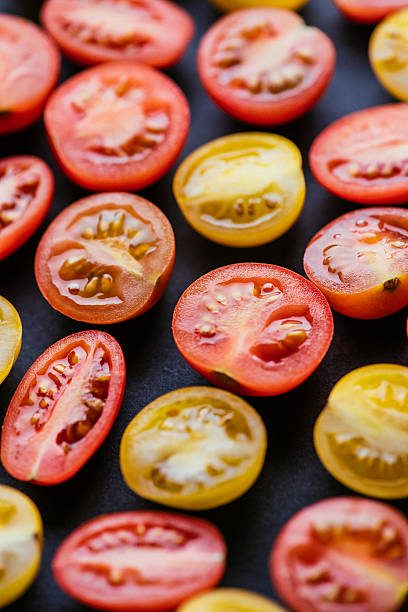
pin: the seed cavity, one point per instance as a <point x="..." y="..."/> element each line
<point x="18" y="187"/>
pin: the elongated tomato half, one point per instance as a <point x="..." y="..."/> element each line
<point x="106" y="258"/>
<point x="63" y="408"/>
<point x="119" y="125"/>
<point x="233" y="600"/>
<point x="140" y="561"/>
<point x="342" y="554"/>
<point x="363" y="157"/>
<point x="369" y="11"/>
<point x="360" y="262"/>
<point x="10" y="337"/>
<point x="26" y="192"/>
<point x="256" y="329"/>
<point x="265" y="65"/>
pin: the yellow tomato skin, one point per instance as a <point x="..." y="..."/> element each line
<point x="361" y="437"/>
<point x="233" y="5"/>
<point x="231" y="600"/>
<point x="389" y="55"/>
<point x="10" y="337"/>
<point x="242" y="190"/>
<point x="170" y="452"/>
<point x="21" y="538"/>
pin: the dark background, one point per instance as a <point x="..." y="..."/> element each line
<point x="293" y="476"/>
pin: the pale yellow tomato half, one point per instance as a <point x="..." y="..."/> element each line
<point x="21" y="538"/>
<point x="242" y="190"/>
<point x="10" y="337"/>
<point x="233" y="5"/>
<point x="194" y="448"/>
<point x="229" y="600"/>
<point x="361" y="436"/>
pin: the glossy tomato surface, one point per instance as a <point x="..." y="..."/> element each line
<point x="120" y="125"/>
<point x="242" y="190"/>
<point x="194" y="448"/>
<point x="233" y="5"/>
<point x="10" y="337"/>
<point x="265" y="65"/>
<point x="233" y="600"/>
<point x="344" y="553"/>
<point x="63" y="408"/>
<point x="26" y="192"/>
<point x="360" y="262"/>
<point x="29" y="71"/>
<point x="154" y="32"/>
<point x="369" y="11"/>
<point x="106" y="258"/>
<point x="362" y="157"/>
<point x="140" y="561"/>
<point x="256" y="329"/>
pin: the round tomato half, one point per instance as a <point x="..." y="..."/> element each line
<point x="363" y="157"/>
<point x="369" y="11"/>
<point x="63" y="408"/>
<point x="233" y="600"/>
<point x="341" y="554"/>
<point x="233" y="5"/>
<point x="29" y="71"/>
<point x="119" y="125"/>
<point x="105" y="259"/>
<point x="154" y="32"/>
<point x="21" y="540"/>
<point x="360" y="262"/>
<point x="195" y="448"/>
<point x="26" y="192"/>
<point x="361" y="436"/>
<point x="10" y="337"/>
<point x="242" y="190"/>
<point x="140" y="561"/>
<point x="264" y="65"/>
<point x="256" y="329"/>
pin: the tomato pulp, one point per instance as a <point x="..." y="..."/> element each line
<point x="10" y="337"/>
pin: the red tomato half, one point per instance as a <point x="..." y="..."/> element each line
<point x="140" y="561"/>
<point x="264" y="65"/>
<point x="369" y="11"/>
<point x="29" y="71"/>
<point x="63" y="408"/>
<point x="154" y="32"/>
<point x="26" y="192"/>
<point x="363" y="157"/>
<point x="120" y="125"/>
<point x="256" y="329"/>
<point x="340" y="555"/>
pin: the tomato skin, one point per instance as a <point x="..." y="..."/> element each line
<point x="20" y="454"/>
<point x="163" y="591"/>
<point x="235" y="600"/>
<point x="156" y="53"/>
<point x="368" y="11"/>
<point x="10" y="337"/>
<point x="233" y="5"/>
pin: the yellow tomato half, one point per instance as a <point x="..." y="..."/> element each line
<point x="21" y="538"/>
<point x="229" y="600"/>
<point x="10" y="337"/>
<point x="242" y="190"/>
<point x="194" y="448"/>
<point x="361" y="436"/>
<point x="232" y="5"/>
<point x="388" y="53"/>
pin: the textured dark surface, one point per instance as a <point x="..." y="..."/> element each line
<point x="293" y="476"/>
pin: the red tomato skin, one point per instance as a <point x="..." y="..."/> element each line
<point x="164" y="600"/>
<point x="58" y="469"/>
<point x="84" y="55"/>
<point x="368" y="11"/>
<point x="13" y="236"/>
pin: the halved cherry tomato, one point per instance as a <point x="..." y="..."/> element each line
<point x="26" y="192"/>
<point x="21" y="539"/>
<point x="195" y="448"/>
<point x="231" y="600"/>
<point x="256" y="329"/>
<point x="360" y="262"/>
<point x="140" y="561"/>
<point x="369" y="11"/>
<point x="363" y="157"/>
<point x="29" y="71"/>
<point x="265" y="66"/>
<point x="242" y="190"/>
<point x="10" y="337"/>
<point x="341" y="554"/>
<point x="119" y="125"/>
<point x="233" y="5"/>
<point x="107" y="258"/>
<point x="154" y="32"/>
<point x="361" y="436"/>
<point x="63" y="408"/>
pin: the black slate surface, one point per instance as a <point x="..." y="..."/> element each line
<point x="293" y="476"/>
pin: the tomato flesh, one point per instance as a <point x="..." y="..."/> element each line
<point x="10" y="337"/>
<point x="233" y="600"/>
<point x="369" y="11"/>
<point x="63" y="408"/>
<point x="233" y="5"/>
<point x="140" y="561"/>
<point x="340" y="554"/>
